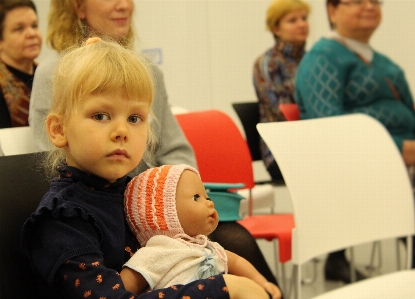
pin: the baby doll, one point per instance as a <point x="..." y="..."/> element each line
<point x="169" y="212"/>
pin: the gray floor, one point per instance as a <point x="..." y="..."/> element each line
<point x="362" y="254"/>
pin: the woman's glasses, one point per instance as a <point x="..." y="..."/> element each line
<point x="362" y="3"/>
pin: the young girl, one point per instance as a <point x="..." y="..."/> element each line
<point x="169" y="212"/>
<point x="78" y="239"/>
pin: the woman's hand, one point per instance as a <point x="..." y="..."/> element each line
<point x="244" y="288"/>
<point x="273" y="290"/>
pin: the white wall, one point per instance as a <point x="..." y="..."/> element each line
<point x="208" y="46"/>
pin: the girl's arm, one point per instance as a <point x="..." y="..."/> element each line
<point x="239" y="266"/>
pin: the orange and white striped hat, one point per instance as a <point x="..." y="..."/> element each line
<point x="150" y="202"/>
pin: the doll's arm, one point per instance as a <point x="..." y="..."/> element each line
<point x="239" y="266"/>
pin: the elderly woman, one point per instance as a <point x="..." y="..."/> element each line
<point x="275" y="70"/>
<point x="20" y="44"/>
<point x="342" y="74"/>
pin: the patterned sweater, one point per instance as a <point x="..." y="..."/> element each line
<point x="15" y="87"/>
<point x="332" y="80"/>
<point x="273" y="77"/>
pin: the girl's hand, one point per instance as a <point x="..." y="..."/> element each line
<point x="273" y="290"/>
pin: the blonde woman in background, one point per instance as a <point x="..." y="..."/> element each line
<point x="275" y="70"/>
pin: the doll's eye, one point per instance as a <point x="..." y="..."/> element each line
<point x="195" y="197"/>
<point x="208" y="198"/>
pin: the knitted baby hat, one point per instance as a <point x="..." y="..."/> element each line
<point x="150" y="202"/>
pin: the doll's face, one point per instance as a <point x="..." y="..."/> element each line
<point x="196" y="212"/>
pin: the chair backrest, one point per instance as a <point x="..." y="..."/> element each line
<point x="347" y="182"/>
<point x="290" y="111"/>
<point x="248" y="113"/>
<point x="22" y="185"/>
<point x="16" y="141"/>
<point x="222" y="153"/>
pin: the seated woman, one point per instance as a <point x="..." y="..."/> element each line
<point x="275" y="70"/>
<point x="342" y="74"/>
<point x="20" y="44"/>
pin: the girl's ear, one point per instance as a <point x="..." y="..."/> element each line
<point x="54" y="127"/>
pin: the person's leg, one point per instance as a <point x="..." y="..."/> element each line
<point x="274" y="172"/>
<point x="234" y="237"/>
<point x="338" y="268"/>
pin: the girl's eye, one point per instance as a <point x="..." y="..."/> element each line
<point x="195" y="197"/>
<point x="134" y="119"/>
<point x="100" y="116"/>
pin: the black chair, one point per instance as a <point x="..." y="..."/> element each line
<point x="248" y="113"/>
<point x="22" y="185"/>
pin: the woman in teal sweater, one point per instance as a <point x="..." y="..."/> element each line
<point x="342" y="74"/>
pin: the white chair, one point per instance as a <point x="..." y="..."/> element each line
<point x="349" y="186"/>
<point x="16" y="141"/>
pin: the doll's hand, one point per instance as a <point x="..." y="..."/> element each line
<point x="272" y="289"/>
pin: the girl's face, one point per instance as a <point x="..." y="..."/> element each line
<point x="22" y="39"/>
<point x="356" y="21"/>
<point x="107" y="136"/>
<point x="293" y="27"/>
<point x="196" y="212"/>
<point x="107" y="17"/>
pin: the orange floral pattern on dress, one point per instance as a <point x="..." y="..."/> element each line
<point x="225" y="289"/>
<point x="161" y="295"/>
<point x="82" y="266"/>
<point x="77" y="282"/>
<point x="186" y="297"/>
<point x="95" y="263"/>
<point x="128" y="249"/>
<point x="99" y="278"/>
<point x="87" y="294"/>
<point x="201" y="286"/>
<point x="116" y="287"/>
<point x="174" y="287"/>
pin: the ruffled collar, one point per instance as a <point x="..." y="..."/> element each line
<point x="92" y="181"/>
<point x="289" y="49"/>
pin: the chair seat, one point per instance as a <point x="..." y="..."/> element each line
<point x="272" y="226"/>
<point x="379" y="287"/>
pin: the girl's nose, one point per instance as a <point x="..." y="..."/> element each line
<point x="120" y="132"/>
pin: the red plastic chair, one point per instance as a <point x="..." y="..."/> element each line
<point x="290" y="111"/>
<point x="223" y="156"/>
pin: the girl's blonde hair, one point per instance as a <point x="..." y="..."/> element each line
<point x="64" y="26"/>
<point x="279" y="8"/>
<point x="95" y="68"/>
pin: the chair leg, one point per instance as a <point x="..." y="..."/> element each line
<point x="372" y="266"/>
<point x="352" y="266"/>
<point x="282" y="278"/>
<point x="314" y="277"/>
<point x="398" y="255"/>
